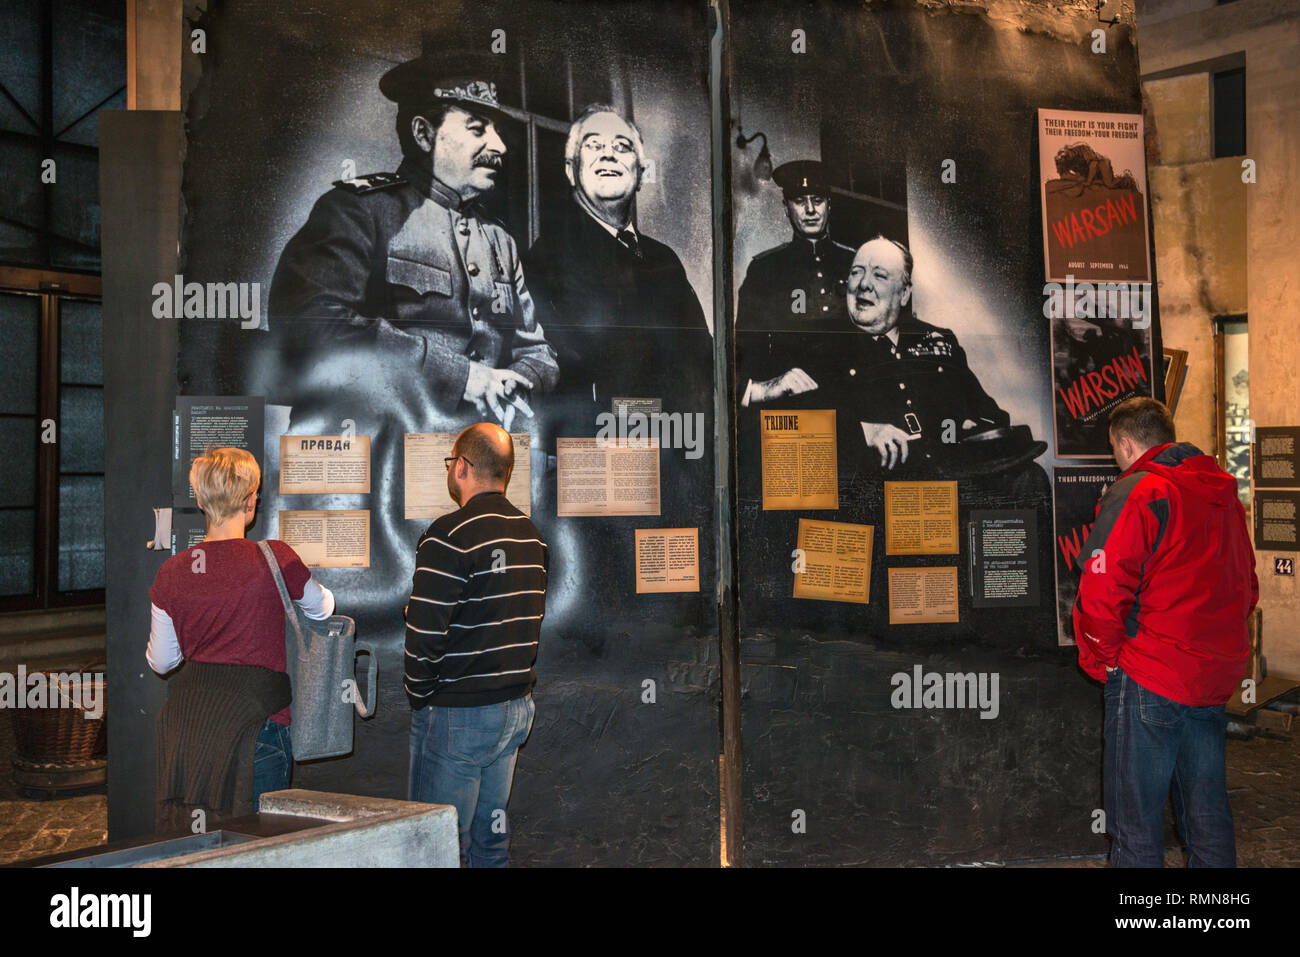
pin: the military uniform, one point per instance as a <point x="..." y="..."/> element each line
<point x="917" y="386"/>
<point x="818" y="267"/>
<point x="379" y="304"/>
<point x="398" y="266"/>
<point x="771" y="337"/>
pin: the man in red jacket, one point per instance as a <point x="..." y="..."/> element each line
<point x="1168" y="582"/>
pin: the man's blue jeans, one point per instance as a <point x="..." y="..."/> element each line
<point x="1152" y="742"/>
<point x="466" y="757"/>
<point x="272" y="760"/>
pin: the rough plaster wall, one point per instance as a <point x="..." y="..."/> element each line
<point x="1151" y="12"/>
<point x="1181" y="107"/>
<point x="1068" y="20"/>
<point x="1199" y="216"/>
<point x="1268" y="32"/>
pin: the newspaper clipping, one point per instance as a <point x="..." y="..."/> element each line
<point x="324" y="465"/>
<point x="921" y="518"/>
<point x="425" y="471"/>
<point x="328" y="539"/>
<point x="834" y="561"/>
<point x="667" y="560"/>
<point x="606" y="477"/>
<point x="922" y="596"/>
<point x="798" y="451"/>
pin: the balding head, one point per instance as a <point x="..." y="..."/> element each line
<point x="489" y="447"/>
<point x="484" y="459"/>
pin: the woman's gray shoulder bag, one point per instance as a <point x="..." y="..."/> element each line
<point x="321" y="656"/>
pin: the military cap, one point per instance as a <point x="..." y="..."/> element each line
<point x="802" y="177"/>
<point x="468" y="80"/>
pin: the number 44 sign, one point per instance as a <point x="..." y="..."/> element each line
<point x="1283" y="566"/>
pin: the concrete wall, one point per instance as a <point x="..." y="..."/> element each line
<point x="1199" y="215"/>
<point x="1268" y="33"/>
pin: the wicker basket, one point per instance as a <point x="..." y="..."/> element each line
<point x="60" y="735"/>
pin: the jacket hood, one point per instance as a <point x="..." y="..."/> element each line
<point x="1191" y="470"/>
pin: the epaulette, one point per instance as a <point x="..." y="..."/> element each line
<point x="369" y="183"/>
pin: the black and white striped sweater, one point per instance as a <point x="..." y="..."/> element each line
<point x="478" y="595"/>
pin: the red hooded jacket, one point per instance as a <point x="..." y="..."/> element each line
<point x="1169" y="579"/>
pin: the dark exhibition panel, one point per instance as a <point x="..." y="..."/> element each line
<point x="931" y="92"/>
<point x="859" y="551"/>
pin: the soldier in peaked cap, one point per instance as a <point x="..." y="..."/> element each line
<point x="407" y="265"/>
<point x="400" y="305"/>
<point x="811" y="262"/>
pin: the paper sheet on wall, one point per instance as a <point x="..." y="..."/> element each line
<point x="919" y="596"/>
<point x="836" y="561"/>
<point x="201" y="423"/>
<point x="328" y="538"/>
<point x="606" y="477"/>
<point x="425" y="474"/>
<point x="1003" y="557"/>
<point x="667" y="560"/>
<point x="324" y="465"/>
<point x="921" y="518"/>
<point x="799" y="465"/>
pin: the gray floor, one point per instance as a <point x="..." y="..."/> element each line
<point x="1262" y="776"/>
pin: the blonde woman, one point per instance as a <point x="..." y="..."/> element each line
<point x="223" y="736"/>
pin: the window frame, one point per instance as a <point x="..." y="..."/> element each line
<point x="51" y="286"/>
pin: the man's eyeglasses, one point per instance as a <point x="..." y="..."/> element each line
<point x="452" y="458"/>
<point x="619" y="145"/>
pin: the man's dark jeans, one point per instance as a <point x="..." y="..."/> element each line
<point x="1152" y="742"/>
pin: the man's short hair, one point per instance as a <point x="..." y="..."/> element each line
<point x="907" y="255"/>
<point x="1144" y="420"/>
<point x="476" y="446"/>
<point x="573" y="145"/>
<point x="435" y="112"/>
<point x="223" y="479"/>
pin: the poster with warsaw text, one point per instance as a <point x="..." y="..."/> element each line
<point x="1092" y="172"/>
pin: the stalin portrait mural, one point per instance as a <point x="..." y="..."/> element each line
<point x="406" y="274"/>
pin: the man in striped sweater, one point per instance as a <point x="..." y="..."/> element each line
<point x="477" y="600"/>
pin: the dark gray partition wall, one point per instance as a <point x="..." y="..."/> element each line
<point x="925" y="118"/>
<point x="622" y="764"/>
<point x="140" y="179"/>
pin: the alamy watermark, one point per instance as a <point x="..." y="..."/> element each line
<point x="644" y="430"/>
<point x="1098" y="300"/>
<point x="931" y="689"/>
<point x="77" y="910"/>
<point x="41" y="689"/>
<point x="209" y="300"/>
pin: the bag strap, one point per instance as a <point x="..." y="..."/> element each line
<point x="290" y="615"/>
<point x="372" y="673"/>
<point x="362" y="647"/>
